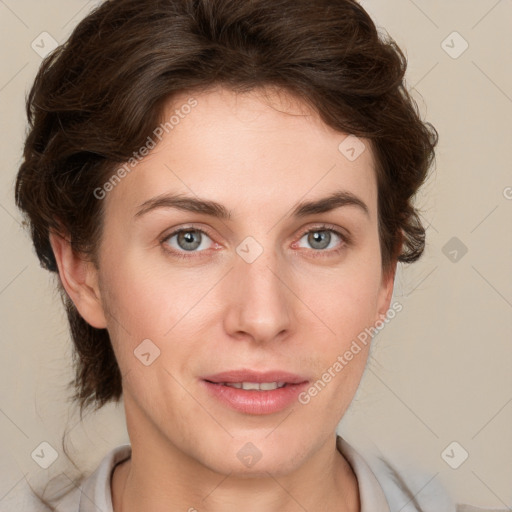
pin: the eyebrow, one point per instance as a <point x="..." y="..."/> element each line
<point x="191" y="204"/>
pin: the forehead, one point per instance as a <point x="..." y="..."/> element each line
<point x="247" y="150"/>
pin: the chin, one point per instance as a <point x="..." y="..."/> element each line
<point x="256" y="456"/>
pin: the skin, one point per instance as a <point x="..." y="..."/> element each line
<point x="258" y="156"/>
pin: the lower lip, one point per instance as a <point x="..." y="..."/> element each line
<point x="256" y="402"/>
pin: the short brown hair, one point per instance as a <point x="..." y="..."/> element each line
<point x="97" y="98"/>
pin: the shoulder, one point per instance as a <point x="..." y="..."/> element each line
<point x="412" y="490"/>
<point x="94" y="493"/>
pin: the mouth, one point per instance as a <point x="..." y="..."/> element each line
<point x="254" y="378"/>
<point x="256" y="393"/>
<point x="253" y="386"/>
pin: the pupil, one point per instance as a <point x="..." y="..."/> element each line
<point x="319" y="236"/>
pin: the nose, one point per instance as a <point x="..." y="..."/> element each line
<point x="261" y="305"/>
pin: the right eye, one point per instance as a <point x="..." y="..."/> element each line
<point x="186" y="240"/>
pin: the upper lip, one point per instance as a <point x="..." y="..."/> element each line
<point x="254" y="376"/>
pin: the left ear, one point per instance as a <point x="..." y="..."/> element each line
<point x="386" y="291"/>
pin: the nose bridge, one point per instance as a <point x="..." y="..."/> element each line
<point x="260" y="305"/>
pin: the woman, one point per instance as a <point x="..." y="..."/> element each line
<point x="224" y="188"/>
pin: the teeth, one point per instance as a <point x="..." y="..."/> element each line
<point x="258" y="386"/>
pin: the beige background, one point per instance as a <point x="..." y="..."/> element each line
<point x="441" y="370"/>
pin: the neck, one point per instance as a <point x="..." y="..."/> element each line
<point x="134" y="488"/>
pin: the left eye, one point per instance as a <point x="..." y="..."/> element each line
<point x="321" y="238"/>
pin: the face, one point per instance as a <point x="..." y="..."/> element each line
<point x="275" y="289"/>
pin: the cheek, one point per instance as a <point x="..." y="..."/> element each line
<point x="147" y="301"/>
<point x="349" y="300"/>
<point x="348" y="308"/>
<point x="140" y="293"/>
<point x="134" y="306"/>
<point x="347" y="305"/>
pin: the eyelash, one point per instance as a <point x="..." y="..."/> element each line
<point x="317" y="253"/>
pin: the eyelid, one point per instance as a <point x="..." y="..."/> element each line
<point x="324" y="226"/>
<point x="345" y="237"/>
<point x="187" y="227"/>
